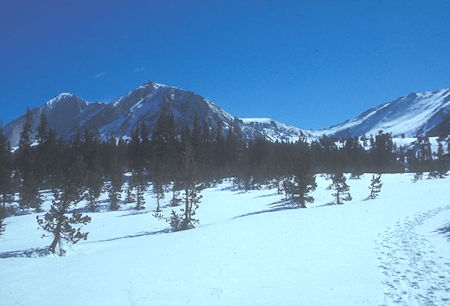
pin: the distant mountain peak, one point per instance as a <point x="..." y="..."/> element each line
<point x="61" y="97"/>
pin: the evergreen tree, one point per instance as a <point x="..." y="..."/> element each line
<point x="375" y="186"/>
<point x="175" y="201"/>
<point x="115" y="189"/>
<point x="303" y="181"/>
<point x="158" y="191"/>
<point x="29" y="195"/>
<point x="42" y="130"/>
<point x="94" y="179"/>
<point x="139" y="183"/>
<point x="341" y="188"/>
<point x="94" y="184"/>
<point x="191" y="187"/>
<point x="6" y="168"/>
<point x="441" y="167"/>
<point x="417" y="176"/>
<point x="57" y="221"/>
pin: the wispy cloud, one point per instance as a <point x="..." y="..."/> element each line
<point x="99" y="75"/>
<point x="139" y="69"/>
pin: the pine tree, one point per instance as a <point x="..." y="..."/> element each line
<point x="341" y="188"/>
<point x="29" y="195"/>
<point x="191" y="187"/>
<point x="175" y="201"/>
<point x="303" y="181"/>
<point x="42" y="130"/>
<point x="375" y="186"/>
<point x="57" y="221"/>
<point x="6" y="168"/>
<point x="115" y="189"/>
<point x="139" y="183"/>
<point x="94" y="184"/>
<point x="158" y="192"/>
<point x="417" y="176"/>
<point x="441" y="167"/>
<point x="175" y="221"/>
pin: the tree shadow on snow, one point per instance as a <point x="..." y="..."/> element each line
<point x="29" y="253"/>
<point x="140" y="234"/>
<point x="445" y="231"/>
<point x="266" y="195"/>
<point x="275" y="206"/>
<point x="135" y="212"/>
<point x="326" y="204"/>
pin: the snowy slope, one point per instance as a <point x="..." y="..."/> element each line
<point x="422" y="114"/>
<point x="272" y="130"/>
<point x="250" y="249"/>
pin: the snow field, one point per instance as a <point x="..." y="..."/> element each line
<point x="249" y="249"/>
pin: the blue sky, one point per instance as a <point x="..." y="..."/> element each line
<point x="307" y="63"/>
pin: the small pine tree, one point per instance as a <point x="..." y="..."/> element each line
<point x="116" y="188"/>
<point x="60" y="225"/>
<point x="129" y="196"/>
<point x="299" y="187"/>
<point x="57" y="221"/>
<point x="175" y="221"/>
<point x="375" y="186"/>
<point x="417" y="176"/>
<point x="158" y="191"/>
<point x="342" y="190"/>
<point x="140" y="184"/>
<point x="175" y="201"/>
<point x="192" y="201"/>
<point x="441" y="167"/>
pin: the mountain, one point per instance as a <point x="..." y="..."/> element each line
<point x="416" y="114"/>
<point x="67" y="114"/>
<point x="272" y="130"/>
<point x="64" y="113"/>
<point x="425" y="113"/>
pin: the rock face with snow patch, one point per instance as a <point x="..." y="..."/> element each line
<point x="271" y="130"/>
<point x="65" y="113"/>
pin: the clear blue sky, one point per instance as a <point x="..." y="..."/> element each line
<point x="306" y="63"/>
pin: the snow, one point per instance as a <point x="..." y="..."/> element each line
<point x="257" y="120"/>
<point x="51" y="103"/>
<point x="410" y="115"/>
<point x="249" y="249"/>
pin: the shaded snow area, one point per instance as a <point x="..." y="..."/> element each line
<point x="251" y="248"/>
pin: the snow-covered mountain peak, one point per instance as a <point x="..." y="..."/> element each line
<point x="426" y="113"/>
<point x="61" y="97"/>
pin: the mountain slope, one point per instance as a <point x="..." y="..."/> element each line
<point x="422" y="114"/>
<point x="64" y="113"/>
<point x="67" y="113"/>
<point x="416" y="114"/>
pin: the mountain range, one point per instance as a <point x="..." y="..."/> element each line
<point x="425" y="113"/>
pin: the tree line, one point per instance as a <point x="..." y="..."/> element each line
<point x="184" y="160"/>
